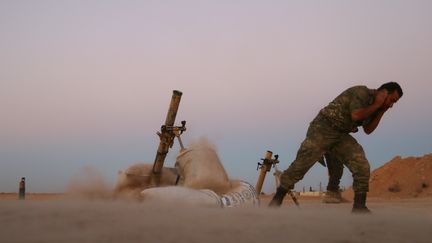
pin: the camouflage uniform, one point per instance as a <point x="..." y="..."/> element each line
<point x="328" y="134"/>
<point x="335" y="170"/>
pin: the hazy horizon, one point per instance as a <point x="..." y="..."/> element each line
<point x="88" y="83"/>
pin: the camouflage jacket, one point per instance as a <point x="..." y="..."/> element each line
<point x="338" y="112"/>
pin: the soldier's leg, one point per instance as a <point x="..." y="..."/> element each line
<point x="335" y="170"/>
<point x="319" y="139"/>
<point x="307" y="155"/>
<point x="353" y="156"/>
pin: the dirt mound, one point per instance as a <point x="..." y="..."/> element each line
<point x="409" y="177"/>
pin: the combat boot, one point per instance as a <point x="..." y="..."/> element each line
<point x="278" y="197"/>
<point x="332" y="197"/>
<point x="359" y="205"/>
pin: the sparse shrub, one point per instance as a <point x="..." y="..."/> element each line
<point x="424" y="185"/>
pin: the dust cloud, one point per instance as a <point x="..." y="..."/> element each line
<point x="89" y="183"/>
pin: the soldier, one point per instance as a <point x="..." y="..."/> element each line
<point x="22" y="189"/>
<point x="329" y="133"/>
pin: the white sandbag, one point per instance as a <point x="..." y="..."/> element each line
<point x="181" y="195"/>
<point x="242" y="194"/>
<point x="137" y="177"/>
<point x="200" y="168"/>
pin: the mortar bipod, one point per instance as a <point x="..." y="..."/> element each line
<point x="268" y="163"/>
<point x="176" y="131"/>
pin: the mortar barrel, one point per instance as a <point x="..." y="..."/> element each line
<point x="263" y="172"/>
<point x="166" y="138"/>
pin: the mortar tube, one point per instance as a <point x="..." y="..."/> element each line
<point x="166" y="138"/>
<point x="263" y="172"/>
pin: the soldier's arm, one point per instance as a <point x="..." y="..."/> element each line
<point x="369" y="127"/>
<point x="364" y="113"/>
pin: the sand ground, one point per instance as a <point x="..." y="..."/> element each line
<point x="55" y="218"/>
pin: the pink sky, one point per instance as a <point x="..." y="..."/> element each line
<point x="88" y="83"/>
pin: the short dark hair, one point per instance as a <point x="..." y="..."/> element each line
<point x="392" y="86"/>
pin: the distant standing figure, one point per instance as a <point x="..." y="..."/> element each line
<point x="22" y="189"/>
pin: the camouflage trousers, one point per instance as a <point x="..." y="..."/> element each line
<point x="335" y="171"/>
<point x="340" y="149"/>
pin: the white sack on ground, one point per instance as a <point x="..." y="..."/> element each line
<point x="200" y="168"/>
<point x="181" y="195"/>
<point x="242" y="194"/>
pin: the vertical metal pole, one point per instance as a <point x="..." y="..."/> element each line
<point x="263" y="171"/>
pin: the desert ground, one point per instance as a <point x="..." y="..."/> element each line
<point x="400" y="198"/>
<point x="59" y="218"/>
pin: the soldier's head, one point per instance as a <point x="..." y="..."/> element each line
<point x="394" y="91"/>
